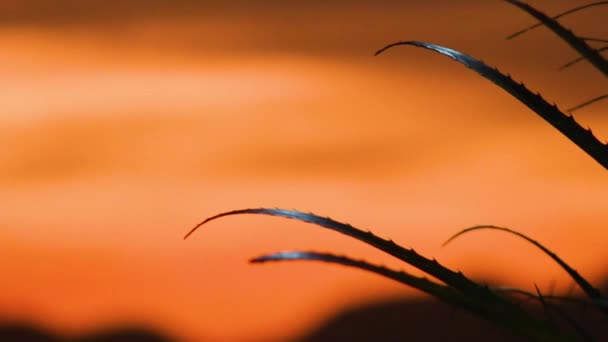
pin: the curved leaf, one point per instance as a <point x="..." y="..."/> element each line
<point x="440" y="291"/>
<point x="575" y="42"/>
<point x="539" y="24"/>
<point x="564" y="123"/>
<point x="591" y="291"/>
<point x="431" y="267"/>
<point x="520" y="322"/>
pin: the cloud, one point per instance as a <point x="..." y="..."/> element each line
<point x="332" y="27"/>
<point x="367" y="159"/>
<point x="90" y="11"/>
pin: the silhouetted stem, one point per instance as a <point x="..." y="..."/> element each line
<point x="575" y="42"/>
<point x="539" y="24"/>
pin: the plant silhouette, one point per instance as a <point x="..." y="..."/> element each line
<point x="489" y="303"/>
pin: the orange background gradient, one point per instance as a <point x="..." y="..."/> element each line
<point x="125" y="123"/>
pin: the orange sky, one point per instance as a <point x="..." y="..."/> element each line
<point x="123" y="126"/>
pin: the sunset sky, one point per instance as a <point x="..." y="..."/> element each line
<point x="125" y="123"/>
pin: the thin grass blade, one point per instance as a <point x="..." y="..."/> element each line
<point x="596" y="40"/>
<point x="547" y="297"/>
<point x="586" y="103"/>
<point x="578" y="44"/>
<point x="548" y="308"/>
<point x="579" y="59"/>
<point x="564" y="123"/>
<point x="573" y="10"/>
<point x="584" y="334"/>
<point x="542" y="301"/>
<point x="591" y="291"/>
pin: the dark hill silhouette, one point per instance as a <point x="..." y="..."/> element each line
<point x="430" y="320"/>
<point x="25" y="333"/>
<point x="124" y="335"/>
<point x="398" y="319"/>
<point x="406" y="320"/>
